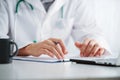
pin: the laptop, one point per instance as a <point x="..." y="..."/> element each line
<point x="115" y="62"/>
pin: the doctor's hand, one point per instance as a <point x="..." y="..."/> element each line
<point x="51" y="47"/>
<point x="90" y="48"/>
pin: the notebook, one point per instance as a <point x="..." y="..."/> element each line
<point x="45" y="58"/>
<point x="109" y="61"/>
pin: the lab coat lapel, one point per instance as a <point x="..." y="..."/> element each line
<point x="37" y="4"/>
<point x="55" y="7"/>
<point x="46" y="26"/>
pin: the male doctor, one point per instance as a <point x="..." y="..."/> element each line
<point x="45" y="26"/>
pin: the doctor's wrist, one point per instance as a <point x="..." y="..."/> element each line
<point x="24" y="51"/>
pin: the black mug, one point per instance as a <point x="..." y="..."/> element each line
<point x="6" y="50"/>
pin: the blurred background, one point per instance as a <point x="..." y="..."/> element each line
<point x="107" y="13"/>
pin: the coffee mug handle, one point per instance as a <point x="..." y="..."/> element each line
<point x="15" y="53"/>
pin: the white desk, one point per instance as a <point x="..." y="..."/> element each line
<point x="23" y="70"/>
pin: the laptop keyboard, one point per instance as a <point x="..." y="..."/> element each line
<point x="107" y="61"/>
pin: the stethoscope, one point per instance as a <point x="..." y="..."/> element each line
<point x="32" y="8"/>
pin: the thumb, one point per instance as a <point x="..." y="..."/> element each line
<point x="78" y="44"/>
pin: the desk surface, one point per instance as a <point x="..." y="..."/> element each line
<point x="23" y="70"/>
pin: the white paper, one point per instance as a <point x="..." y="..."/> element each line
<point x="44" y="58"/>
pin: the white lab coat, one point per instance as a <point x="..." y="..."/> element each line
<point x="28" y="25"/>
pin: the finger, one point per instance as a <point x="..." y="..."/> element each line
<point x="81" y="54"/>
<point x="99" y="52"/>
<point x="78" y="44"/>
<point x="56" y="46"/>
<point x="57" y="54"/>
<point x="94" y="50"/>
<point x="47" y="52"/>
<point x="89" y="48"/>
<point x="52" y="50"/>
<point x="84" y="46"/>
<point x="61" y="44"/>
<point x="58" y="49"/>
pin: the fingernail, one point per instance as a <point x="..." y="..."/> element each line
<point x="62" y="57"/>
<point x="91" y="55"/>
<point x="81" y="54"/>
<point x="53" y="56"/>
<point x="97" y="55"/>
<point x="66" y="52"/>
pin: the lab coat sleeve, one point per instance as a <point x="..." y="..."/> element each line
<point x="85" y="24"/>
<point x="4" y="28"/>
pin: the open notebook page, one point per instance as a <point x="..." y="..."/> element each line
<point x="45" y="58"/>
